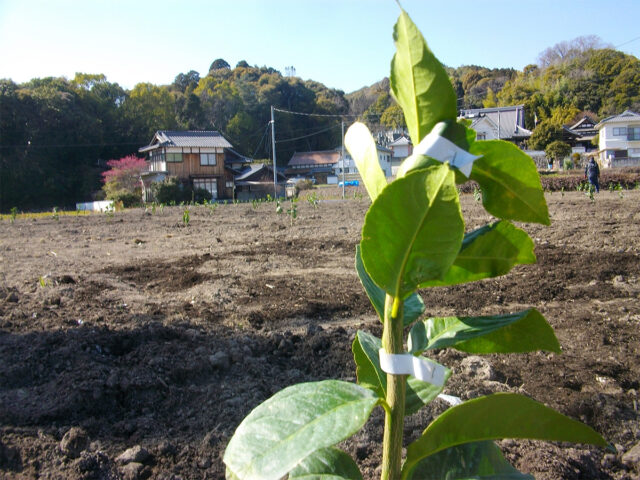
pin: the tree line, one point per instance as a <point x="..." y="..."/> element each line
<point x="56" y="134"/>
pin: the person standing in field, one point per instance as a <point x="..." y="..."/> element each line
<point x="592" y="173"/>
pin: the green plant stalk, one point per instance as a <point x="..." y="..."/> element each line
<point x="392" y="336"/>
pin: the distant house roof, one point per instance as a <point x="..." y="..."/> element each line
<point x="318" y="159"/>
<point x="401" y="141"/>
<point x="255" y="173"/>
<point x="509" y="119"/>
<point x="623" y="117"/>
<point x="585" y="123"/>
<point x="188" y="138"/>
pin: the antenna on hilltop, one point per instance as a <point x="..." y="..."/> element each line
<point x="290" y="71"/>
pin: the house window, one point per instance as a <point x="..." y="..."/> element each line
<point x="174" y="157"/>
<point x="619" y="132"/>
<point x="229" y="184"/>
<point x="634" y="152"/>
<point x="481" y="136"/>
<point x="207" y="159"/>
<point x="633" y="133"/>
<point x="209" y="184"/>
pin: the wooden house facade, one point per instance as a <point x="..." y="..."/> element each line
<point x="202" y="159"/>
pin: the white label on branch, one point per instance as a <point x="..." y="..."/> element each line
<point x="443" y="150"/>
<point x="407" y="364"/>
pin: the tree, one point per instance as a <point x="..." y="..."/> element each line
<point x="557" y="150"/>
<point x="123" y="179"/>
<point x="545" y="133"/>
<point x="186" y="81"/>
<point x="218" y="64"/>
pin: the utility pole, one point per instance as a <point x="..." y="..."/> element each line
<point x="343" y="162"/>
<point x="273" y="144"/>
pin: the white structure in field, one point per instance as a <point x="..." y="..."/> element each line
<point x="619" y="140"/>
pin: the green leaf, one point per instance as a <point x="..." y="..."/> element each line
<point x="477" y="460"/>
<point x="510" y="184"/>
<point x="362" y="148"/>
<point x="488" y="252"/>
<point x="501" y="415"/>
<point x="413" y="305"/>
<point x="419" y="82"/>
<point x="295" y="422"/>
<point x="326" y="464"/>
<point x="525" y="331"/>
<point x="413" y="231"/>
<point x="365" y="351"/>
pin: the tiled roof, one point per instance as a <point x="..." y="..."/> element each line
<point x="510" y="119"/>
<point x="320" y="158"/>
<point x="189" y="138"/>
<point x="624" y="116"/>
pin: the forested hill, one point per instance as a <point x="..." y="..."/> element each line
<point x="56" y="134"/>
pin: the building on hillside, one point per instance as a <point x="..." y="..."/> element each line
<point x="256" y="181"/>
<point x="580" y="134"/>
<point x="200" y="159"/>
<point x="498" y="123"/>
<point x="401" y="148"/>
<point x="619" y="140"/>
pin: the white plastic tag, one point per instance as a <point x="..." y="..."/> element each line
<point x="407" y="364"/>
<point x="443" y="150"/>
<point x="450" y="399"/>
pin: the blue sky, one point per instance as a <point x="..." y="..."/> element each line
<point x="344" y="44"/>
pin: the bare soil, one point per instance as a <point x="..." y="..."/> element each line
<point x="141" y="331"/>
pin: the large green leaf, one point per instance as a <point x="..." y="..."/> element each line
<point x="326" y="464"/>
<point x="413" y="231"/>
<point x="295" y="422"/>
<point x="510" y="183"/>
<point x="362" y="148"/>
<point x="477" y="460"/>
<point x="488" y="252"/>
<point x="419" y="82"/>
<point x="525" y="331"/>
<point x="501" y="415"/>
<point x="365" y="352"/>
<point x="413" y="305"/>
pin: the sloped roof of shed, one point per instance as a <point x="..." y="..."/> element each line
<point x="318" y="158"/>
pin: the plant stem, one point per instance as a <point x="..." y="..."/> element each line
<point x="396" y="384"/>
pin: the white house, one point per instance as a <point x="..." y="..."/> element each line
<point x="401" y="148"/>
<point x="619" y="140"/>
<point x="384" y="158"/>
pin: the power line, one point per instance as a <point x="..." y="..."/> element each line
<point x="628" y="41"/>
<point x="74" y="145"/>
<point x="309" y="135"/>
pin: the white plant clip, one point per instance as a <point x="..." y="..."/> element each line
<point x="443" y="150"/>
<point x="407" y="364"/>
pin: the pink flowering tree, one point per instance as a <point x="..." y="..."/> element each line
<point x="122" y="180"/>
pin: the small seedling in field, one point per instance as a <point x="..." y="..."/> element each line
<point x="278" y="206"/>
<point x="212" y="208"/>
<point x="14" y="214"/>
<point x="313" y="200"/>
<point x="186" y="217"/>
<point x="109" y="211"/>
<point x="55" y="214"/>
<point x="292" y="211"/>
<point x="414" y="238"/>
<point x="477" y="194"/>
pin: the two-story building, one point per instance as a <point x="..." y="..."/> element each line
<point x="202" y="159"/>
<point x="619" y="140"/>
<point x="498" y="123"/>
